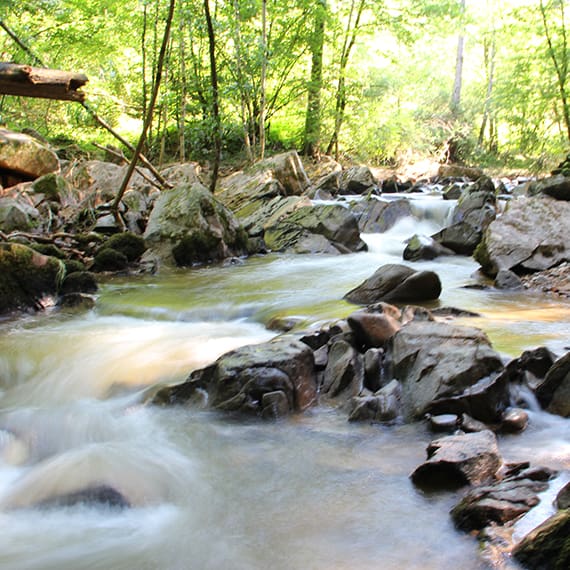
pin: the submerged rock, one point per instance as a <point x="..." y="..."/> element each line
<point x="457" y="460"/>
<point x="382" y="406"/>
<point x="394" y="283"/>
<point x="101" y="495"/>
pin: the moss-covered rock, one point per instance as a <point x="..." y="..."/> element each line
<point x="189" y="225"/>
<point x="547" y="547"/>
<point x="127" y="243"/>
<point x="110" y="260"/>
<point x="52" y="186"/>
<point x="27" y="276"/>
<point x="79" y="282"/>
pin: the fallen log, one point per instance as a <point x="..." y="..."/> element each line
<point x="28" y="81"/>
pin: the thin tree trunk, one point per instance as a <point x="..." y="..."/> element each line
<point x="182" y="118"/>
<point x="456" y="94"/>
<point x="560" y="64"/>
<point x="263" y="77"/>
<point x="215" y="98"/>
<point x="148" y="118"/>
<point x="312" y="133"/>
<point x="490" y="67"/>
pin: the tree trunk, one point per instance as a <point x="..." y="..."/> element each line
<point x="456" y="94"/>
<point x="263" y="77"/>
<point x="215" y="98"/>
<point x="340" y="105"/>
<point x="312" y="133"/>
<point x="490" y="70"/>
<point x="148" y="118"/>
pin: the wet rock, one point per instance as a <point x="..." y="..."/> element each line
<point x="530" y="368"/>
<point x="396" y="283"/>
<point x="76" y="301"/>
<point x="357" y="180"/>
<point x="471" y="425"/>
<point x="188" y="226"/>
<point x="447" y="369"/>
<point x="452" y="192"/>
<point x="457" y="460"/>
<point x="373" y="369"/>
<point x="507" y="279"/>
<point x="553" y="393"/>
<point x="514" y="420"/>
<point x="274" y="405"/>
<point x="27" y="277"/>
<point x="563" y="497"/>
<point x="344" y="374"/>
<point x="531" y="235"/>
<point x="444" y="422"/>
<point x="382" y="406"/>
<point x="98" y="496"/>
<point x="373" y="329"/>
<point x="378" y="216"/>
<point x="24" y="155"/>
<point x="499" y="503"/>
<point x="239" y="380"/>
<point x="547" y="546"/>
<point x="318" y="228"/>
<point x="421" y="247"/>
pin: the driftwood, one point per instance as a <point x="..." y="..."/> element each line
<point x="28" y="81"/>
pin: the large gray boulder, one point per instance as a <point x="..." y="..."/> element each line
<point x="457" y="460"/>
<point x="395" y="283"/>
<point x="378" y="216"/>
<point x="17" y="214"/>
<point x="317" y="228"/>
<point x="24" y="155"/>
<point x="531" y="235"/>
<point x="357" y="180"/>
<point x="445" y="368"/>
<point x="268" y="380"/>
<point x="188" y="225"/>
<point x="557" y="187"/>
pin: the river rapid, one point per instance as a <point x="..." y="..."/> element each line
<point x="309" y="492"/>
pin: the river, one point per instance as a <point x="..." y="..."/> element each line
<point x="310" y="492"/>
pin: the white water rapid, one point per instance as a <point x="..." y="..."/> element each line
<point x="310" y="492"/>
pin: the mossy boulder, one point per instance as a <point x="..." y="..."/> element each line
<point x="17" y="215"/>
<point x="127" y="243"/>
<point x="25" y="155"/>
<point x="110" y="260"/>
<point x="27" y="276"/>
<point x="189" y="225"/>
<point x="53" y="186"/>
<point x="79" y="282"/>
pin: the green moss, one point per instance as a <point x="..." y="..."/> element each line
<point x="48" y="249"/>
<point x="72" y="265"/>
<point x="127" y="243"/>
<point x="198" y="247"/>
<point x="110" y="260"/>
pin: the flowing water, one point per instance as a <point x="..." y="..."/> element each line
<point x="310" y="492"/>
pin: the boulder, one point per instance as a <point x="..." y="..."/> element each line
<point x="17" y="215"/>
<point x="459" y="171"/>
<point x="557" y="187"/>
<point x="553" y="392"/>
<point x="79" y="282"/>
<point x="241" y="380"/>
<point x="343" y="377"/>
<point x="53" y="186"/>
<point x="530" y="368"/>
<point x="27" y="277"/>
<point x="357" y="180"/>
<point x="514" y="420"/>
<point x="531" y="235"/>
<point x="448" y="369"/>
<point x="507" y="279"/>
<point x="188" y="226"/>
<point x="127" y="243"/>
<point x="325" y="175"/>
<point x="382" y="406"/>
<point x="184" y="174"/>
<point x="373" y="328"/>
<point x="378" y="216"/>
<point x="317" y="228"/>
<point x="457" y="460"/>
<point x="500" y="502"/>
<point x="548" y="545"/>
<point x="421" y="248"/>
<point x="395" y="283"/>
<point x="25" y="155"/>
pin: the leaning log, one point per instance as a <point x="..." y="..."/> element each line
<point x="28" y="81"/>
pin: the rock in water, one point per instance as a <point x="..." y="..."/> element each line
<point x="395" y="283"/>
<point x="531" y="235"/>
<point x="457" y="460"/>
